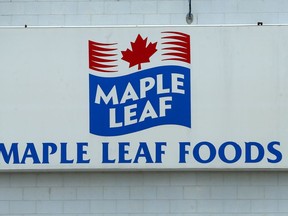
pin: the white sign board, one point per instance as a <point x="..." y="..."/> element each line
<point x="144" y="98"/>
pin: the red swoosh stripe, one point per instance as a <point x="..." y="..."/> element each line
<point x="176" y="46"/>
<point x="101" y="56"/>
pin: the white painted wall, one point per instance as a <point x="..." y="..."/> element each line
<point x="143" y="193"/>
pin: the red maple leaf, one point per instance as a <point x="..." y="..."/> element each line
<point x="139" y="53"/>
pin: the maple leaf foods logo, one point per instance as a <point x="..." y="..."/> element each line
<point x="159" y="95"/>
<point x="139" y="46"/>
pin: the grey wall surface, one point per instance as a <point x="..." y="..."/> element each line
<point x="122" y="12"/>
<point x="143" y="193"/>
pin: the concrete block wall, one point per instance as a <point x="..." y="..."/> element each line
<point x="143" y="193"/>
<point x="137" y="12"/>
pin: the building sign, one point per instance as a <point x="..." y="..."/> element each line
<point x="144" y="98"/>
<point x="157" y="95"/>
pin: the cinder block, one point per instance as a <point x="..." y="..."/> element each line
<point x="19" y="8"/>
<point x="64" y="8"/>
<point x="211" y="19"/>
<point x="23" y="207"/>
<point x="180" y="19"/>
<point x="50" y="179"/>
<point x="237" y="206"/>
<point x="184" y="214"/>
<point x="21" y="20"/>
<point x="77" y="179"/>
<point x="49" y="207"/>
<point x="103" y="206"/>
<point x="251" y="192"/>
<point x="282" y="206"/>
<point x="34" y="8"/>
<point x="116" y="192"/>
<point x="53" y="0"/>
<point x="140" y="192"/>
<point x="264" y="178"/>
<point x="210" y="178"/>
<point x="156" y="179"/>
<point x="113" y="214"/>
<point x="264" y="206"/>
<point x="183" y="206"/>
<point x="4" y="207"/>
<point x="11" y="193"/>
<point x="237" y="178"/>
<point x="103" y="179"/>
<point x="197" y="192"/>
<point x="270" y="18"/>
<point x="223" y="192"/>
<point x="104" y="20"/>
<point x="156" y="19"/>
<point x="23" y="179"/>
<point x="5" y="21"/>
<point x="4" y="177"/>
<point x="130" y="19"/>
<point x="77" y="20"/>
<point x="283" y="18"/>
<point x="79" y="207"/>
<point x="51" y="20"/>
<point x="15" y="214"/>
<point x="258" y="6"/>
<point x="169" y="192"/>
<point x="276" y="192"/>
<point x="144" y="7"/>
<point x="59" y="215"/>
<point x="63" y="193"/>
<point x="132" y="178"/>
<point x="94" y="7"/>
<point x="273" y="214"/>
<point x="283" y="5"/>
<point x="172" y="7"/>
<point x="232" y="18"/>
<point x="129" y="206"/>
<point x="211" y="206"/>
<point x="90" y="193"/>
<point x="35" y="193"/>
<point x="117" y="7"/>
<point x="251" y="18"/>
<point x="6" y="8"/>
<point x="224" y="6"/>
<point x="156" y="206"/>
<point x="200" y="6"/>
<point x="22" y="0"/>
<point x="184" y="178"/>
<point x="283" y="178"/>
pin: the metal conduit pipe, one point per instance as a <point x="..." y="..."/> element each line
<point x="189" y="16"/>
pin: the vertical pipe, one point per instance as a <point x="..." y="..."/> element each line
<point x="189" y="17"/>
